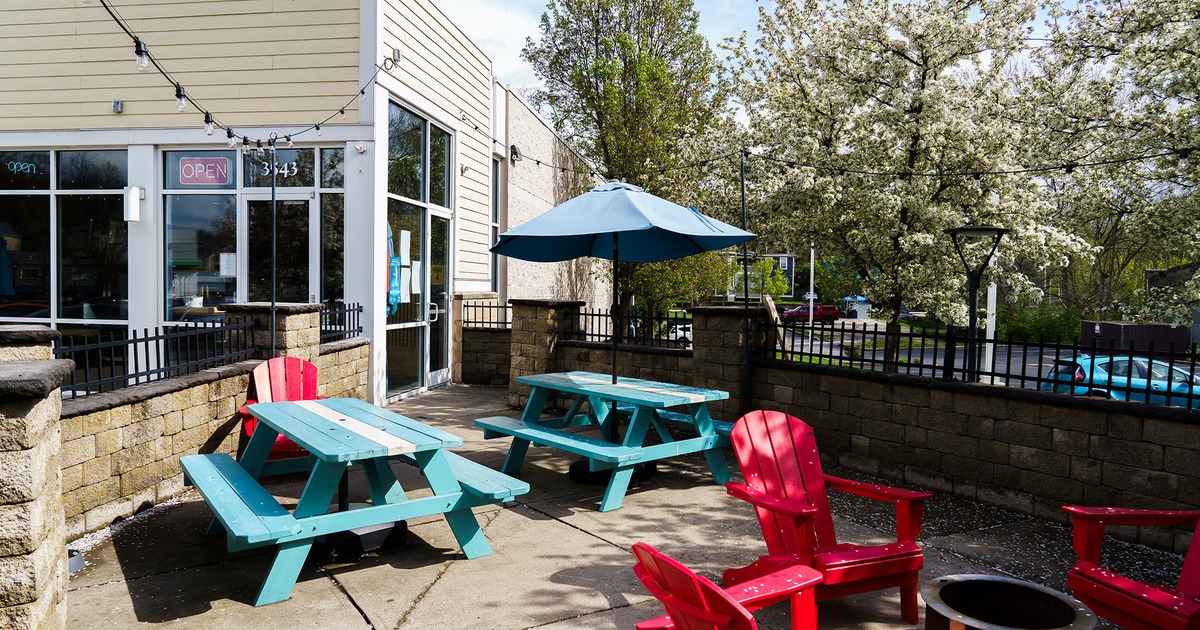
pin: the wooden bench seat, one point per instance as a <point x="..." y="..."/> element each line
<point x="482" y="481"/>
<point x="247" y="511"/>
<point x="594" y="448"/>
<point x="676" y="417"/>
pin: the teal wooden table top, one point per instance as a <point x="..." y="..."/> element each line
<point x="348" y="429"/>
<point x="635" y="391"/>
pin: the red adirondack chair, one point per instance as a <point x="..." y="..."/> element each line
<point x="280" y="379"/>
<point x="1124" y="601"/>
<point x="786" y="486"/>
<point x="693" y="601"/>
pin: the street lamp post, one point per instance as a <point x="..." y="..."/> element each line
<point x="972" y="234"/>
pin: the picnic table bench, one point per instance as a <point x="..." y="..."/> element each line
<point x="645" y="404"/>
<point x="339" y="432"/>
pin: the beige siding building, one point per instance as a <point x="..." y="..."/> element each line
<point x="370" y="131"/>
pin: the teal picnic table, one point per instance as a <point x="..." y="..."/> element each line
<point x="339" y="432"/>
<point x="600" y="402"/>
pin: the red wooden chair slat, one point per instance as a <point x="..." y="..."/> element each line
<point x="694" y="602"/>
<point x="1133" y="604"/>
<point x="786" y="485"/>
<point x="281" y="379"/>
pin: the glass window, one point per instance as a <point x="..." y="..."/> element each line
<point x="201" y="255"/>
<point x="333" y="168"/>
<point x="294" y="168"/>
<point x="25" y="257"/>
<point x="92" y="170"/>
<point x="332" y="246"/>
<point x="405" y="221"/>
<point x="184" y="170"/>
<point x="406" y="153"/>
<point x="93" y="265"/>
<point x="291" y="251"/>
<point x="24" y="170"/>
<point x="439" y="167"/>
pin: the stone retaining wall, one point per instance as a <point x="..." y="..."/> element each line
<point x="1025" y="450"/>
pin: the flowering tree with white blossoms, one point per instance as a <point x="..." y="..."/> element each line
<point x="897" y="119"/>
<point x="1124" y="81"/>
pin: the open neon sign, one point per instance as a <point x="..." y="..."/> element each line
<point x="203" y="171"/>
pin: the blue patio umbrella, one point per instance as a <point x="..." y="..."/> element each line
<point x="618" y="222"/>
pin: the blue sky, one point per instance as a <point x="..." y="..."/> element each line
<point x="500" y="27"/>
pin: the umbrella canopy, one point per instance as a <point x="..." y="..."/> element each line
<point x="617" y="221"/>
<point x="646" y="228"/>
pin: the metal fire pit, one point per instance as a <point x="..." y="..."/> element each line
<point x="991" y="602"/>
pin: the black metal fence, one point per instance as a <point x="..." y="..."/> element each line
<point x="110" y="360"/>
<point x="341" y="321"/>
<point x="670" y="331"/>
<point x="486" y="315"/>
<point x="1102" y="367"/>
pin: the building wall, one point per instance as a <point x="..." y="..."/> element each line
<point x="446" y="77"/>
<point x="250" y="62"/>
<point x="534" y="188"/>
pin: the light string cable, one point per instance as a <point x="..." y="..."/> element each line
<point x="1183" y="154"/>
<point x="594" y="172"/>
<point x="145" y="58"/>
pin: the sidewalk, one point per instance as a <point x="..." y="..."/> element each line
<point x="557" y="563"/>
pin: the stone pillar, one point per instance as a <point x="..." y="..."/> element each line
<point x="33" y="552"/>
<point x="297" y="328"/>
<point x="719" y="354"/>
<point x="537" y="326"/>
<point x="27" y="343"/>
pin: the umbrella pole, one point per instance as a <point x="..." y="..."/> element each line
<point x="616" y="315"/>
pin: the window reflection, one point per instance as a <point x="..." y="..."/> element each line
<point x="201" y="255"/>
<point x="25" y="257"/>
<point x="333" y="164"/>
<point x="406" y="153"/>
<point x="87" y="170"/>
<point x="332" y="245"/>
<point x="439" y="167"/>
<point x="24" y="170"/>
<point x="294" y="168"/>
<point x="291" y="251"/>
<point x="405" y="222"/>
<point x="93" y="268"/>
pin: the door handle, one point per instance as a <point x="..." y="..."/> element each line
<point x="434" y="311"/>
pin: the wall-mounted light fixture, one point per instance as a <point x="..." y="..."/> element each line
<point x="514" y="153"/>
<point x="133" y="203"/>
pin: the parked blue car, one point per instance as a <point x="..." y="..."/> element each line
<point x="1136" y="379"/>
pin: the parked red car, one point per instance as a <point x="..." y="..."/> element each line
<point x="821" y="313"/>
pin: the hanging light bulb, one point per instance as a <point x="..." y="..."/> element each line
<point x="209" y="125"/>
<point x="246" y="145"/>
<point x="180" y="97"/>
<point x="1184" y="157"/>
<point x="342" y="111"/>
<point x="289" y="141"/>
<point x="318" y="128"/>
<point x="141" y="59"/>
<point x="232" y="139"/>
<point x="259" y="147"/>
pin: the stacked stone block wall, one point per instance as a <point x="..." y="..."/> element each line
<point x="1024" y="450"/>
<point x="487" y="356"/>
<point x="33" y="553"/>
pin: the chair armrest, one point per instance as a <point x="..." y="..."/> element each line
<point x="766" y="590"/>
<point x="1087" y="524"/>
<point x="768" y="502"/>
<point x="909" y="503"/>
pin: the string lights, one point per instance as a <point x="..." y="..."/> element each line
<point x="144" y="60"/>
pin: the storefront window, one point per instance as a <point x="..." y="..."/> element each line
<point x="25" y="258"/>
<point x="24" y="170"/>
<point x="200" y="170"/>
<point x="333" y="168"/>
<point x="333" y="215"/>
<point x="406" y="153"/>
<point x="93" y="265"/>
<point x="92" y="170"/>
<point x="293" y="168"/>
<point x="439" y="167"/>
<point x="201" y="255"/>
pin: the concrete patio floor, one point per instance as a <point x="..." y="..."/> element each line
<point x="557" y="563"/>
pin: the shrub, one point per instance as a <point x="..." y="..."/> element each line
<point x="1047" y="321"/>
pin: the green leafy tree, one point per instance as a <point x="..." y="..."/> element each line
<point x="634" y="87"/>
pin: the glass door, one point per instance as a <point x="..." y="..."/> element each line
<point x="295" y="276"/>
<point x="439" y="300"/>
<point x="407" y="312"/>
